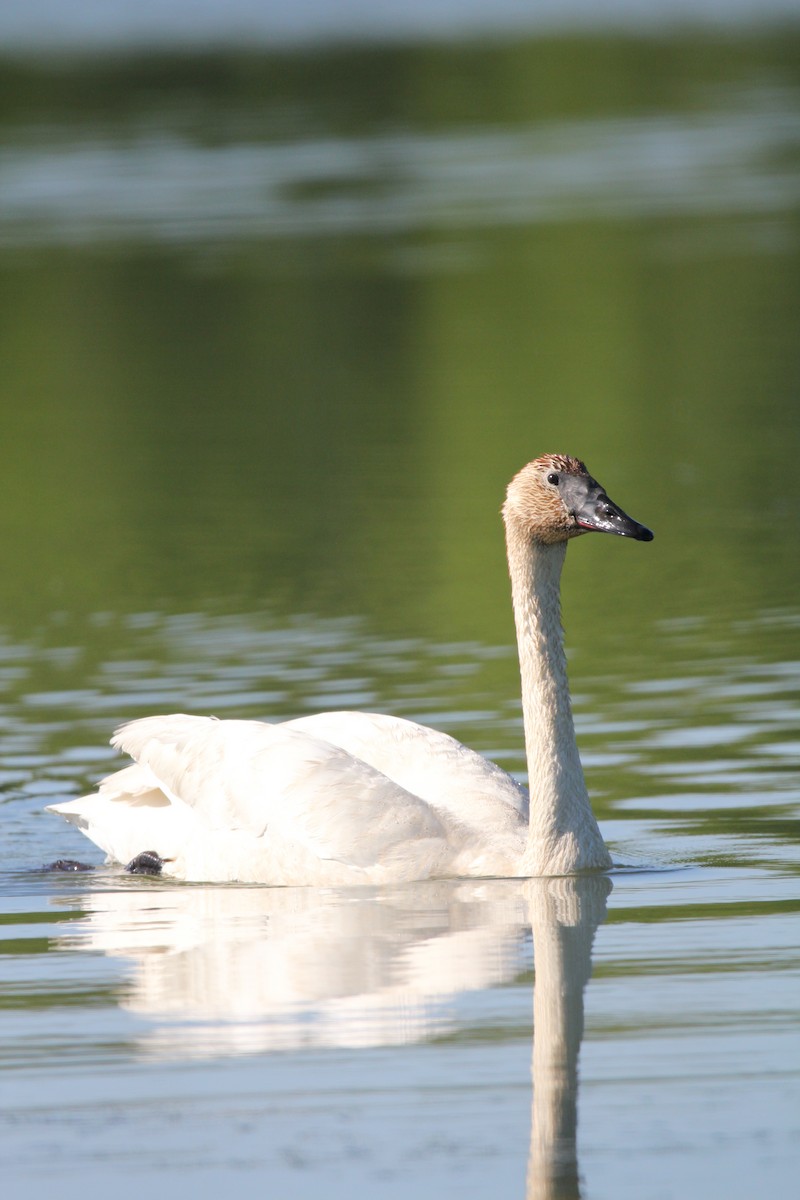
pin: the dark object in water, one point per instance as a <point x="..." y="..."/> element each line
<point x="67" y="864"/>
<point x="146" y="863"/>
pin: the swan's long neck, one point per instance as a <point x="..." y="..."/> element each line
<point x="563" y="834"/>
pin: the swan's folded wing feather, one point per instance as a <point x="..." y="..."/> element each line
<point x="275" y="782"/>
<point x="205" y="764"/>
<point x="430" y="764"/>
<point x="129" y="813"/>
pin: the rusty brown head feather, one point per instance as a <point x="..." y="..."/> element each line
<point x="554" y="498"/>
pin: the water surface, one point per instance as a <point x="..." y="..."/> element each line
<point x="276" y="330"/>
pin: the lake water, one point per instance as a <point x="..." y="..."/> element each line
<point x="276" y="329"/>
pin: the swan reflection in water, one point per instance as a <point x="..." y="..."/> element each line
<point x="244" y="970"/>
<point x="564" y="916"/>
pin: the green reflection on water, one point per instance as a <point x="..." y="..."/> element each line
<point x="328" y="423"/>
<point x="718" y="911"/>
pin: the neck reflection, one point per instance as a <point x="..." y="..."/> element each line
<point x="564" y="915"/>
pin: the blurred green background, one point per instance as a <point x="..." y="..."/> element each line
<point x="276" y="328"/>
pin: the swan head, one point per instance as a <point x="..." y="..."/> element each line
<point x="554" y="498"/>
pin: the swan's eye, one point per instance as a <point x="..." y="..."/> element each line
<point x="553" y="478"/>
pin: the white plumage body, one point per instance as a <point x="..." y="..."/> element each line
<point x="282" y="804"/>
<point x="344" y="798"/>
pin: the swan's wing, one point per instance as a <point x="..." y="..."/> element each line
<point x="129" y="813"/>
<point x="263" y="792"/>
<point x="428" y="763"/>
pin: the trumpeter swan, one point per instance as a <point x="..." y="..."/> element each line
<point x="342" y="798"/>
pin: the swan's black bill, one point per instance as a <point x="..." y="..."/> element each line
<point x="594" y="512"/>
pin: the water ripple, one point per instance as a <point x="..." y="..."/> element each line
<point x="167" y="188"/>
